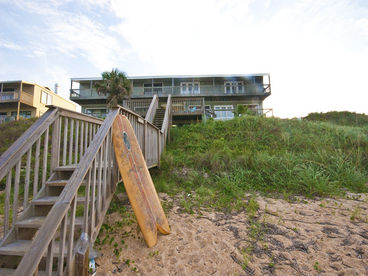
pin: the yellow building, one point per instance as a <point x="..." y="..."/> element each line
<point x="21" y="99"/>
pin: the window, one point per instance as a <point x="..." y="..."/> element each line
<point x="150" y="89"/>
<point x="223" y="112"/>
<point x="234" y="87"/>
<point x="189" y="88"/>
<point x="46" y="98"/>
<point x="43" y="97"/>
<point x="96" y="112"/>
<point x="49" y="99"/>
<point x="22" y="114"/>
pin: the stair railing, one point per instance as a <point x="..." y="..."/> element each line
<point x="166" y="125"/>
<point x="97" y="169"/>
<point x="152" y="109"/>
<point x="59" y="137"/>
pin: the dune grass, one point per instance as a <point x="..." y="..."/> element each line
<point x="216" y="163"/>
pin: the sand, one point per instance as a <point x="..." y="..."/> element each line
<point x="303" y="237"/>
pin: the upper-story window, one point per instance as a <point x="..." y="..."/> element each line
<point x="46" y="98"/>
<point x="234" y="87"/>
<point x="189" y="88"/>
<point x="152" y="88"/>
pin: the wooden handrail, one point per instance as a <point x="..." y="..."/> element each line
<point x="152" y="109"/>
<point x="57" y="213"/>
<point x="166" y="123"/>
<point x="11" y="156"/>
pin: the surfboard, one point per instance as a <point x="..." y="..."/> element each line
<point x="138" y="182"/>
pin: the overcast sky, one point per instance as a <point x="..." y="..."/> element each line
<point x="315" y="50"/>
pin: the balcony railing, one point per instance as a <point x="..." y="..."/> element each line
<point x="177" y="91"/>
<point x="9" y="96"/>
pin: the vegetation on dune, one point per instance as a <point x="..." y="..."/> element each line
<point x="344" y="118"/>
<point x="218" y="162"/>
<point x="11" y="131"/>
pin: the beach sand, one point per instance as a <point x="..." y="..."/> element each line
<point x="302" y="237"/>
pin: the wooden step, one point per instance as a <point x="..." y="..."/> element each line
<point x="9" y="272"/>
<point x="36" y="222"/>
<point x="66" y="168"/>
<point x="50" y="200"/>
<point x="19" y="247"/>
<point x="60" y="183"/>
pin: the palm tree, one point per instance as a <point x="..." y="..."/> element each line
<point x="115" y="85"/>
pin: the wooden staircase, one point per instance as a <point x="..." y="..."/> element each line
<point x="159" y="117"/>
<point x="20" y="238"/>
<point x="60" y="177"/>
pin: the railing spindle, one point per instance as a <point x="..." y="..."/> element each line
<point x="71" y="232"/>
<point x="76" y="142"/>
<point x="26" y="180"/>
<point x="86" y="203"/>
<point x="62" y="244"/>
<point x="93" y="193"/>
<point x="71" y="142"/>
<point x="45" y="155"/>
<point x="66" y="122"/>
<point x="16" y="191"/>
<point x="36" y="167"/>
<point x="50" y="258"/>
<point x="7" y="202"/>
<point x="81" y="141"/>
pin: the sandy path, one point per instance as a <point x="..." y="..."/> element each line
<point x="310" y="237"/>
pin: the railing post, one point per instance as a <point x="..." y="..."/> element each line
<point x="145" y="140"/>
<point x="81" y="256"/>
<point x="55" y="145"/>
<point x="158" y="148"/>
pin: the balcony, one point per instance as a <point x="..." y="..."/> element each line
<point x="9" y="96"/>
<point x="177" y="91"/>
<point x="25" y="97"/>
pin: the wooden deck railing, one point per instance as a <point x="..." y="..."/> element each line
<point x="59" y="238"/>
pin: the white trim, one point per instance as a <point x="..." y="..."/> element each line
<point x="189" y="88"/>
<point x="234" y="87"/>
<point x="222" y="112"/>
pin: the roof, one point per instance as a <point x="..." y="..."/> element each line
<point x="178" y="76"/>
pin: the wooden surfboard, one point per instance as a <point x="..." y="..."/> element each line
<point x="138" y="182"/>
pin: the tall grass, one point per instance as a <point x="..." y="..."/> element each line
<point x="222" y="160"/>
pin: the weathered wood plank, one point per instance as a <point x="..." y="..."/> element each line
<point x="73" y="208"/>
<point x="45" y="155"/>
<point x="86" y="203"/>
<point x="76" y="138"/>
<point x="80" y="116"/>
<point x="71" y="134"/>
<point x="36" y="167"/>
<point x="50" y="258"/>
<point x="11" y="156"/>
<point x="66" y="122"/>
<point x="81" y="141"/>
<point x="55" y="144"/>
<point x="27" y="177"/>
<point x="7" y="202"/>
<point x="16" y="191"/>
<point x="62" y="244"/>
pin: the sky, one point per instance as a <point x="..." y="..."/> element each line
<point x="315" y="51"/>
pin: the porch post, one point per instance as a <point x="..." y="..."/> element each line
<point x="18" y="109"/>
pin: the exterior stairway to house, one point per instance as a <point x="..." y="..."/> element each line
<point x="60" y="177"/>
<point x="26" y="227"/>
<point x="159" y="117"/>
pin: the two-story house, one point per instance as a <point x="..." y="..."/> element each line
<point x="192" y="96"/>
<point x="21" y="99"/>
